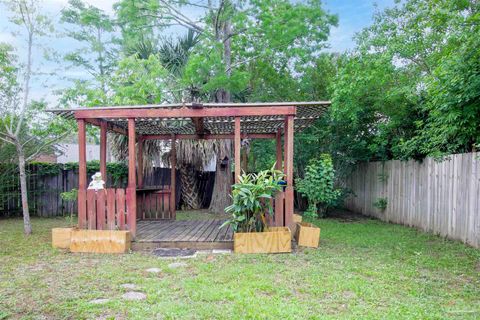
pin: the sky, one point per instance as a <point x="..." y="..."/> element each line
<point x="353" y="15"/>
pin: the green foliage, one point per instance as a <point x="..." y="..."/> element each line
<point x="381" y="203"/>
<point x="318" y="185"/>
<point x="71" y="195"/>
<point x="410" y="89"/>
<point x="251" y="200"/>
<point x="118" y="171"/>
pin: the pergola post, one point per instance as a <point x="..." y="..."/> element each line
<point x="288" y="136"/>
<point x="140" y="162"/>
<point x="173" y="178"/>
<point x="132" y="183"/>
<point x="280" y="195"/>
<point x="82" y="174"/>
<point x="103" y="150"/>
<point x="237" y="145"/>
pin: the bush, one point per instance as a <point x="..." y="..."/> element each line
<point x="251" y="200"/>
<point x="318" y="186"/>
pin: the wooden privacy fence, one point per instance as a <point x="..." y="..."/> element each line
<point x="442" y="197"/>
<point x="44" y="190"/>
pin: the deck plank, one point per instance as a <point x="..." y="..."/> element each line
<point x="183" y="234"/>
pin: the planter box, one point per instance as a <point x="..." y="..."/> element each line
<point x="296" y="219"/>
<point x="100" y="241"/>
<point x="61" y="237"/>
<point x="275" y="240"/>
<point x="308" y="235"/>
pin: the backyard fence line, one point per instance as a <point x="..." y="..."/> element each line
<point x="44" y="190"/>
<point x="442" y="197"/>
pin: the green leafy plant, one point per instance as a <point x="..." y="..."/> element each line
<point x="70" y="197"/>
<point x="318" y="185"/>
<point x="251" y="200"/>
<point x="381" y="203"/>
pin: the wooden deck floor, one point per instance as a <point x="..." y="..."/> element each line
<point x="192" y="234"/>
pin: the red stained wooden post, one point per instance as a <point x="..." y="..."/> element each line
<point x="132" y="183"/>
<point x="279" y="198"/>
<point x="237" y="145"/>
<point x="100" y="206"/>
<point x="103" y="150"/>
<point x="91" y="210"/>
<point x="111" y="209"/>
<point x="120" y="199"/>
<point x="173" y="179"/>
<point x="140" y="162"/>
<point x="82" y="175"/>
<point x="289" y="171"/>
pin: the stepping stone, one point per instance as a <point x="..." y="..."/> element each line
<point x="99" y="301"/>
<point x="129" y="286"/>
<point x="134" y="296"/>
<point x="176" y="265"/>
<point x="154" y="270"/>
<point x="221" y="251"/>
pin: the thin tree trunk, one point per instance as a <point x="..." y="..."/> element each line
<point x="27" y="227"/>
<point x="223" y="176"/>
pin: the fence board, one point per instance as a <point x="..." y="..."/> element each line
<point x="44" y="190"/>
<point x="442" y="197"/>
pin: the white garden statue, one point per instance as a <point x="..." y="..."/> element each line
<point x="97" y="182"/>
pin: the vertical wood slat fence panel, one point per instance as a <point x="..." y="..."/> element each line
<point x="442" y="197"/>
<point x="45" y="190"/>
<point x="106" y="209"/>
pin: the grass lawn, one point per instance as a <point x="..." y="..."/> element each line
<point x="364" y="269"/>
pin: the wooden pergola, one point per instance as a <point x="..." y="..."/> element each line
<point x="117" y="208"/>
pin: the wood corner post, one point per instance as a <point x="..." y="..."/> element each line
<point x="288" y="169"/>
<point x="82" y="174"/>
<point x="132" y="183"/>
<point x="140" y="143"/>
<point x="237" y="146"/>
<point x="279" y="198"/>
<point x="173" y="179"/>
<point x="103" y="151"/>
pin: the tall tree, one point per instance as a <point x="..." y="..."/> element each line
<point x="233" y="36"/>
<point x="16" y="107"/>
<point x="98" y="54"/>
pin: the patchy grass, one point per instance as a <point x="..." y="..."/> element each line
<point x="364" y="269"/>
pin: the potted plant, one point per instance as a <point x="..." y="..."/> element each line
<point x="251" y="203"/>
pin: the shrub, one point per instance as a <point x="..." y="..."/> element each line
<point x="251" y="200"/>
<point x="318" y="185"/>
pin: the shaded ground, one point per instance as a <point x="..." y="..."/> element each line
<point x="199" y="215"/>
<point x="363" y="270"/>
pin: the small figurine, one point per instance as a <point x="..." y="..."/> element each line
<point x="97" y="182"/>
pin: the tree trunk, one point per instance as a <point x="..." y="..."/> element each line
<point x="189" y="186"/>
<point x="223" y="176"/>
<point x="27" y="227"/>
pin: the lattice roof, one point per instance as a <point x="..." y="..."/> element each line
<point x="306" y="114"/>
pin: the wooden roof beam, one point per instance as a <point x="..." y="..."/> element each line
<point x="185" y="112"/>
<point x="208" y="136"/>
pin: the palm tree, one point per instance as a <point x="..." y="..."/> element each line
<point x="191" y="155"/>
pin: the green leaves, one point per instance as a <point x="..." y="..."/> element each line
<point x="251" y="200"/>
<point x="318" y="184"/>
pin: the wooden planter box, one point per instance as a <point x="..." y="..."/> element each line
<point x="296" y="219"/>
<point x="275" y="240"/>
<point x="308" y="235"/>
<point x="61" y="237"/>
<point x="100" y="241"/>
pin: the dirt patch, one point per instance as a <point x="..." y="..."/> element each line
<point x="346" y="216"/>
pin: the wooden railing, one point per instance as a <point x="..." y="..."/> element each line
<point x="154" y="204"/>
<point x="105" y="210"/>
